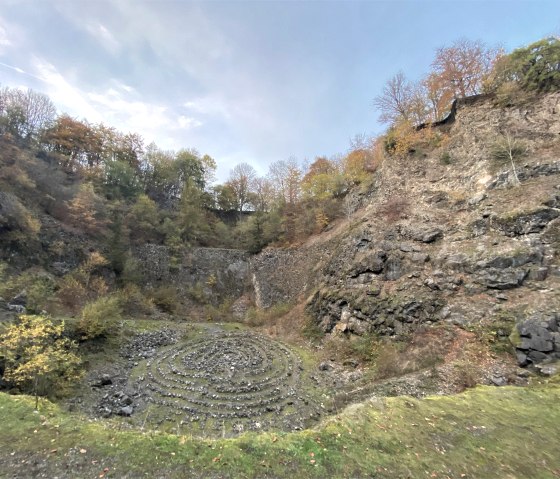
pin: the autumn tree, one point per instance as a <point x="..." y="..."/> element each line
<point x="84" y="209"/>
<point x="72" y="140"/>
<point x="37" y="356"/>
<point x="463" y="67"/>
<point x="285" y="176"/>
<point x="323" y="180"/>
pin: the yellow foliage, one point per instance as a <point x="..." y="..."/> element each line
<point x="37" y="356"/>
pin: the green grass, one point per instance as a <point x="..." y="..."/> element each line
<point x="483" y="433"/>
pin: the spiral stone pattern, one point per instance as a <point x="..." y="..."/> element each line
<point x="233" y="376"/>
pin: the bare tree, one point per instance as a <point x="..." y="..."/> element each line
<point x="25" y="113"/>
<point x="395" y="102"/>
<point x="285" y="176"/>
<point x="241" y="182"/>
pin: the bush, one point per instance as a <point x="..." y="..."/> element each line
<point x="134" y="301"/>
<point x="99" y="318"/>
<point x="38" y="285"/>
<point x="165" y="298"/>
<point x="394" y="208"/>
<point x="37" y="357"/>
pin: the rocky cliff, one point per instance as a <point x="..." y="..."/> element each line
<point x="445" y="234"/>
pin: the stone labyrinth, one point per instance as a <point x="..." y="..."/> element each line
<point x="232" y="381"/>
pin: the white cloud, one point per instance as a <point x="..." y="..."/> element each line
<point x="4" y="40"/>
<point x="66" y="96"/>
<point x="101" y="33"/>
<point x="188" y="123"/>
<point x="116" y="105"/>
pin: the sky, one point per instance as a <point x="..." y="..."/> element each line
<point x="243" y="81"/>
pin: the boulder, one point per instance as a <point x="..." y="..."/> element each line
<point x="126" y="411"/>
<point x="494" y="278"/>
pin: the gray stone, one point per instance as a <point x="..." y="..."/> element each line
<point x="550" y="369"/>
<point x="536" y="356"/>
<point x="428" y="236"/>
<point x="476" y="199"/>
<point x="521" y="358"/>
<point x="420" y="258"/>
<point x="325" y="366"/>
<point x="126" y="411"/>
<point x="16" y="308"/>
<point x="19" y="299"/>
<point x="394" y="269"/>
<point x="538" y="274"/>
<point x="494" y="278"/>
<point x="498" y="380"/>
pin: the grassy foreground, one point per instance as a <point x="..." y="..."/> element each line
<point x="486" y="432"/>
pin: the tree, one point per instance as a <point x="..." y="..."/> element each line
<point x="396" y="100"/>
<point x="83" y="209"/>
<point x="25" y="113"/>
<point x="506" y="150"/>
<point x="143" y="219"/>
<point x="241" y="183"/>
<point x="37" y="356"/>
<point x="323" y="180"/>
<point x="191" y="218"/>
<point x="71" y="139"/>
<point x="464" y="66"/>
<point x="534" y="68"/>
<point x="438" y="96"/>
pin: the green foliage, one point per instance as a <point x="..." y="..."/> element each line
<point x="99" y="318"/>
<point x="143" y="220"/>
<point x="121" y="180"/>
<point x="37" y="357"/>
<point x="534" y="68"/>
<point x="38" y="286"/>
<point x="135" y="301"/>
<point x="84" y="283"/>
<point x="165" y="298"/>
<point x="446" y="158"/>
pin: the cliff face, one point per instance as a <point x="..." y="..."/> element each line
<point x="446" y="234"/>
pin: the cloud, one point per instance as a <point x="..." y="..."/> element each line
<point x="103" y="35"/>
<point x="4" y="40"/>
<point x="187" y="123"/>
<point x="66" y="96"/>
<point x="117" y="104"/>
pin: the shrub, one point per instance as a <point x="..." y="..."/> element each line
<point x="446" y="158"/>
<point x="37" y="357"/>
<point x="134" y="301"/>
<point x="394" y="208"/>
<point x="99" y="318"/>
<point x="165" y="298"/>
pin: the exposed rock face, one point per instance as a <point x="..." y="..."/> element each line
<point x="539" y="339"/>
<point x="224" y="272"/>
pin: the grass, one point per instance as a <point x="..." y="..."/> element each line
<point x="486" y="432"/>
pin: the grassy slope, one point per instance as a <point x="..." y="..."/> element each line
<point x="486" y="432"/>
